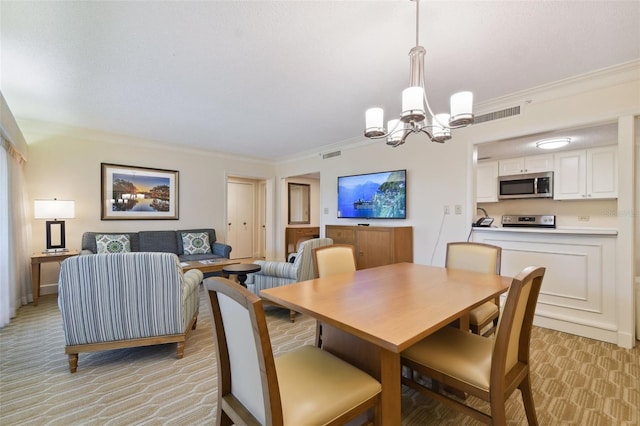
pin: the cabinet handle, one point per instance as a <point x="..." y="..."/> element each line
<point x="229" y="223"/>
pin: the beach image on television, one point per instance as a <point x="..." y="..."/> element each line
<point x="373" y="196"/>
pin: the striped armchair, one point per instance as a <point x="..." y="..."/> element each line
<point x="275" y="274"/>
<point x="111" y="301"/>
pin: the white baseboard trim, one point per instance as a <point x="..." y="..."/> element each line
<point x="48" y="289"/>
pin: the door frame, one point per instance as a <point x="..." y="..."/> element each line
<point x="268" y="205"/>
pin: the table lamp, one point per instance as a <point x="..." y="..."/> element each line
<point x="54" y="209"/>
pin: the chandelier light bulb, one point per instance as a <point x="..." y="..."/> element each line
<point x="412" y="104"/>
<point x="461" y="109"/>
<point x="374" y="117"/>
<point x="441" y="132"/>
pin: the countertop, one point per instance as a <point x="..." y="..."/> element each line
<point x="556" y="231"/>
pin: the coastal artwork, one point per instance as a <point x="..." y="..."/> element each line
<point x="373" y="195"/>
<point x="131" y="192"/>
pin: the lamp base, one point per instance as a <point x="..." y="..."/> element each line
<point x="55" y="250"/>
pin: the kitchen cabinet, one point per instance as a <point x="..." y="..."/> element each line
<point x="582" y="174"/>
<point x="375" y="245"/>
<point x="522" y="165"/>
<point x="487" y="182"/>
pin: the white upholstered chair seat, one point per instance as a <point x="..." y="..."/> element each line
<point x="458" y="353"/>
<point x="317" y="387"/>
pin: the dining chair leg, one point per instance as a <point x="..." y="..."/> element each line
<point x="527" y="399"/>
<point x="498" y="411"/>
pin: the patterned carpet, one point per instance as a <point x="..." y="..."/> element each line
<point x="576" y="381"/>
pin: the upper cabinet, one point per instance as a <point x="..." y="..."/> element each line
<point x="522" y="165"/>
<point x="582" y="174"/>
<point x="487" y="182"/>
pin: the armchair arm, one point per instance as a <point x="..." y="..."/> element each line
<point x="221" y="249"/>
<point x="277" y="269"/>
<point x="191" y="280"/>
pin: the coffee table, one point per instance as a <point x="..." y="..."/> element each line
<point x="241" y="270"/>
<point x="210" y="266"/>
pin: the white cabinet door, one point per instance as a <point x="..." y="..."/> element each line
<point x="487" y="182"/>
<point x="511" y="166"/>
<point x="602" y="172"/>
<point x="531" y="164"/>
<point x="538" y="163"/>
<point x="586" y="174"/>
<point x="569" y="176"/>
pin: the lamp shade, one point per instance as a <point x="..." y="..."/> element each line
<point x="54" y="209"/>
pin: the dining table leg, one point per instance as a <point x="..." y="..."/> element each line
<point x="391" y="403"/>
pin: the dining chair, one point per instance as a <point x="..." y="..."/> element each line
<point x="490" y="369"/>
<point x="334" y="259"/>
<point x="478" y="257"/>
<point x="304" y="386"/>
<point x="330" y="260"/>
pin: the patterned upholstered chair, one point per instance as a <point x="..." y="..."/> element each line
<point x="275" y="274"/>
<point x="112" y="301"/>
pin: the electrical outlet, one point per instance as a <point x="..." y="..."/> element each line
<point x="458" y="209"/>
<point x="584" y="218"/>
<point x="326" y="210"/>
<point x="447" y="209"/>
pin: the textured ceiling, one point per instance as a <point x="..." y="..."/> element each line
<point x="272" y="79"/>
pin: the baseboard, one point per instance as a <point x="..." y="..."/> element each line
<point x="48" y="289"/>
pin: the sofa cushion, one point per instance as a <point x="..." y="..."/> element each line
<point x="159" y="241"/>
<point x="178" y="236"/>
<point x="89" y="240"/>
<point x="114" y="243"/>
<point x="195" y="243"/>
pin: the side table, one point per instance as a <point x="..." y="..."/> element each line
<point x="241" y="270"/>
<point x="39" y="258"/>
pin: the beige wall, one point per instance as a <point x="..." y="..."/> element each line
<point x="65" y="164"/>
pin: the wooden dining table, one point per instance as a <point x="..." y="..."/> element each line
<point x="370" y="316"/>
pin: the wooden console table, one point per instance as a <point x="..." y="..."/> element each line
<point x="375" y="245"/>
<point x="39" y="258"/>
<point x="293" y="235"/>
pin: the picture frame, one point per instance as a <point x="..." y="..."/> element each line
<point x="138" y="193"/>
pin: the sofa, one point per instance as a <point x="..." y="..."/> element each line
<point x="275" y="274"/>
<point x="198" y="248"/>
<point x="120" y="300"/>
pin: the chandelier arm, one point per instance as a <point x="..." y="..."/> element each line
<point x="390" y="132"/>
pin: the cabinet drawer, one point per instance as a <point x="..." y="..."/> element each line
<point x="341" y="236"/>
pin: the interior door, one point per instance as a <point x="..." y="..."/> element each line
<point x="240" y="222"/>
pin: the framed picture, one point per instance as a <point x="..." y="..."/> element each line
<point x="130" y="192"/>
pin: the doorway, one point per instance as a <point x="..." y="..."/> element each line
<point x="246" y="217"/>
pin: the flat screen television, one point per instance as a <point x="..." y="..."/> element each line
<point x="381" y="195"/>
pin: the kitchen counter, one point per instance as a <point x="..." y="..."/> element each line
<point x="554" y="231"/>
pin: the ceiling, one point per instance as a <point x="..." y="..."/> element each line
<point x="581" y="138"/>
<point x="275" y="79"/>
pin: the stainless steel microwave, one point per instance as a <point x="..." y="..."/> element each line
<point x="532" y="185"/>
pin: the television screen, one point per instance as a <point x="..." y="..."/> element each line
<point x="380" y="195"/>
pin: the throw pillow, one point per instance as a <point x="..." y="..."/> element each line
<point x="195" y="243"/>
<point x="118" y="243"/>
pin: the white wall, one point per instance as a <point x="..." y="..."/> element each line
<point x="65" y="163"/>
<point x="441" y="175"/>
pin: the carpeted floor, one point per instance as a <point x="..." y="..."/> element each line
<point x="576" y="381"/>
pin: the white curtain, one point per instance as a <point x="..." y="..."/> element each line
<point x="15" y="234"/>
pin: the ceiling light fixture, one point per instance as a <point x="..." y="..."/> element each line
<point x="554" y="143"/>
<point x="414" y="118"/>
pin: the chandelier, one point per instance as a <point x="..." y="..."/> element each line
<point x="414" y="118"/>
